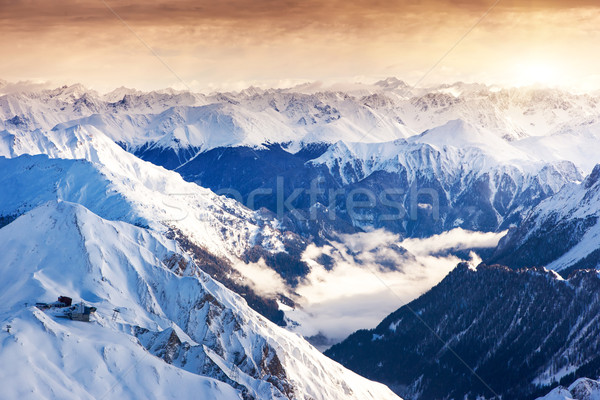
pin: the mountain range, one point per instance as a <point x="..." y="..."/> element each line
<point x="484" y="331"/>
<point x="195" y="213"/>
<point x="178" y="331"/>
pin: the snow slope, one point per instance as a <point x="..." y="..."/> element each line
<point x="81" y="361"/>
<point x="174" y="335"/>
<point x="146" y="193"/>
<point x="547" y="124"/>
<point x="569" y="225"/>
<point x="521" y="331"/>
<point x="581" y="389"/>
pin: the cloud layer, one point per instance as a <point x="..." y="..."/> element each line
<point x="237" y="42"/>
<point x="370" y="275"/>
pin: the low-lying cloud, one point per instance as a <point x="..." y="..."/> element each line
<point x="358" y="280"/>
<point x="262" y="279"/>
<point x="371" y="275"/>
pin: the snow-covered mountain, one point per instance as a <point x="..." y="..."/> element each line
<point x="561" y="233"/>
<point x="148" y="168"/>
<point x="382" y="112"/>
<point x="149" y="193"/>
<point x="581" y="389"/>
<point x="88" y="168"/>
<point x="521" y="332"/>
<point x="478" y="180"/>
<point x="175" y="336"/>
<point x="477" y="187"/>
<point x="490" y="154"/>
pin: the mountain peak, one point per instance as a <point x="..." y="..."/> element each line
<point x="62" y="248"/>
<point x="593" y="177"/>
<point x="476" y="307"/>
<point x="581" y="389"/>
<point x="391" y="83"/>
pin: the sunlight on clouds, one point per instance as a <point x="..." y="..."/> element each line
<point x="222" y="46"/>
<point x="543" y="72"/>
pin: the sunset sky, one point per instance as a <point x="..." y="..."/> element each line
<point x="232" y="44"/>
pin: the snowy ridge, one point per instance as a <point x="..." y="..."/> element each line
<point x="498" y="151"/>
<point x="570" y="219"/>
<point x="199" y="329"/>
<point x="581" y="389"/>
<point x="451" y="150"/>
<point x="518" y="344"/>
<point x="546" y="124"/>
<point x="147" y="193"/>
<point x="505" y="181"/>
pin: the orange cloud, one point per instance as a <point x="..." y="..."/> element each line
<point x="213" y="42"/>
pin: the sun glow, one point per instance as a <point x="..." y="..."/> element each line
<point x="537" y="72"/>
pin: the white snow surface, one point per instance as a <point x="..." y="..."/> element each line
<point x="119" y="186"/>
<point x="62" y="248"/>
<point x="581" y="389"/>
<point x="455" y="133"/>
<point x="576" y="201"/>
<point x="512" y="125"/>
<point x="61" y="144"/>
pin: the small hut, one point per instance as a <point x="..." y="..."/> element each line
<point x="81" y="312"/>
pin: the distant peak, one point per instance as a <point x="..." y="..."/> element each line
<point x="252" y="91"/>
<point x="593" y="178"/>
<point x="458" y="122"/>
<point x="391" y="82"/>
